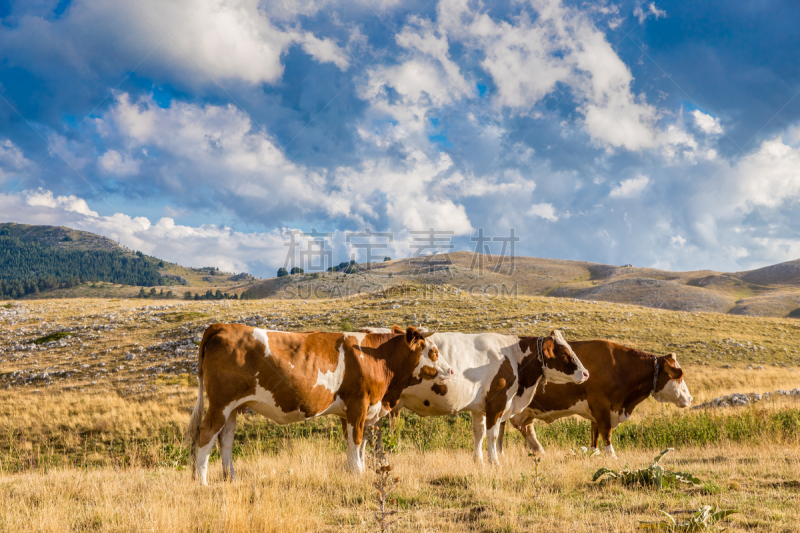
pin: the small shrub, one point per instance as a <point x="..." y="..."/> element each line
<point x="385" y="482"/>
<point x="652" y="476"/>
<point x="346" y="325"/>
<point x="703" y="520"/>
<point x="583" y="451"/>
<point x="52" y="337"/>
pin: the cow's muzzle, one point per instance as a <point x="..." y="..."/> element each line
<point x="445" y="374"/>
<point x="580" y="375"/>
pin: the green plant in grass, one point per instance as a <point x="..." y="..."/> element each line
<point x="654" y="475"/>
<point x="583" y="451"/>
<point x="52" y="337"/>
<point x="704" y="520"/>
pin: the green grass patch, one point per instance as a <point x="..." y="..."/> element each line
<point x="162" y="446"/>
<point x="58" y="335"/>
<point x="183" y="316"/>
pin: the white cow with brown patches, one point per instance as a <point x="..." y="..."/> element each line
<point x="622" y="378"/>
<point x="292" y="377"/>
<point x="494" y="378"/>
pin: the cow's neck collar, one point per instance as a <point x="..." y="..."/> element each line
<point x="655" y="374"/>
<point x="540" y="356"/>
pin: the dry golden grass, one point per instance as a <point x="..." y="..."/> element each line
<point x="305" y="488"/>
<point x="100" y="450"/>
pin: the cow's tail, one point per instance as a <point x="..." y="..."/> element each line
<point x="192" y="433"/>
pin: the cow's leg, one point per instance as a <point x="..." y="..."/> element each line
<point x="209" y="429"/>
<point x="491" y="443"/>
<point x="478" y="433"/>
<point x="595" y="436"/>
<point x="361" y="449"/>
<point x="529" y="433"/>
<point x="500" y="436"/>
<point x="226" y="447"/>
<point x="604" y="430"/>
<point x="354" y="435"/>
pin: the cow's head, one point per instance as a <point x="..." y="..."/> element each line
<point x="561" y="365"/>
<point x="430" y="366"/>
<point x="671" y="387"/>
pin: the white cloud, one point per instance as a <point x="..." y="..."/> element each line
<point x="630" y="188"/>
<point x="678" y="240"/>
<point x="531" y="56"/>
<point x="413" y="199"/>
<point x="324" y="50"/>
<point x="210" y="142"/>
<point x="545" y="211"/>
<point x="11" y="159"/>
<point x="258" y="252"/>
<point x="43" y="198"/>
<point x="426" y="78"/>
<point x="707" y="123"/>
<point x="235" y="39"/>
<point x="112" y="162"/>
<point x="768" y="177"/>
<point x="644" y="12"/>
<point x="228" y="39"/>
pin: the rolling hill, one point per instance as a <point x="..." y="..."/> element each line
<point x="769" y="291"/>
<point x="57" y="261"/>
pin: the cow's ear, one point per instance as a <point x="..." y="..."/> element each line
<point x="397" y="330"/>
<point x="412" y="334"/>
<point x="674" y="372"/>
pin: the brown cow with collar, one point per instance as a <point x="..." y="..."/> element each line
<point x="622" y="378"/>
<point x="292" y="377"/>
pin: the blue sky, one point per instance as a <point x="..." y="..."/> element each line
<point x="660" y="134"/>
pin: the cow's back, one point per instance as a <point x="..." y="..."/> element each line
<point x="475" y="359"/>
<point x="285" y="376"/>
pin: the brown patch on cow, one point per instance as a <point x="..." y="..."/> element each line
<point x="497" y="395"/>
<point x="440" y="389"/>
<point x="428" y="372"/>
<point x="414" y="381"/>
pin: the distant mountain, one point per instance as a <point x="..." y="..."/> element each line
<point x="42" y="258"/>
<point x="39" y="255"/>
<point x="54" y="261"/>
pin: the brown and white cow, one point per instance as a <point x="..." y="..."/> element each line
<point x="494" y="378"/>
<point x="292" y="377"/>
<point x="622" y="378"/>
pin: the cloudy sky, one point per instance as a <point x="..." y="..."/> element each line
<point x="660" y="134"/>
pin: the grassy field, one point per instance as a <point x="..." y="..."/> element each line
<point x="95" y="444"/>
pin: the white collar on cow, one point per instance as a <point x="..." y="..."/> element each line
<point x="655" y="374"/>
